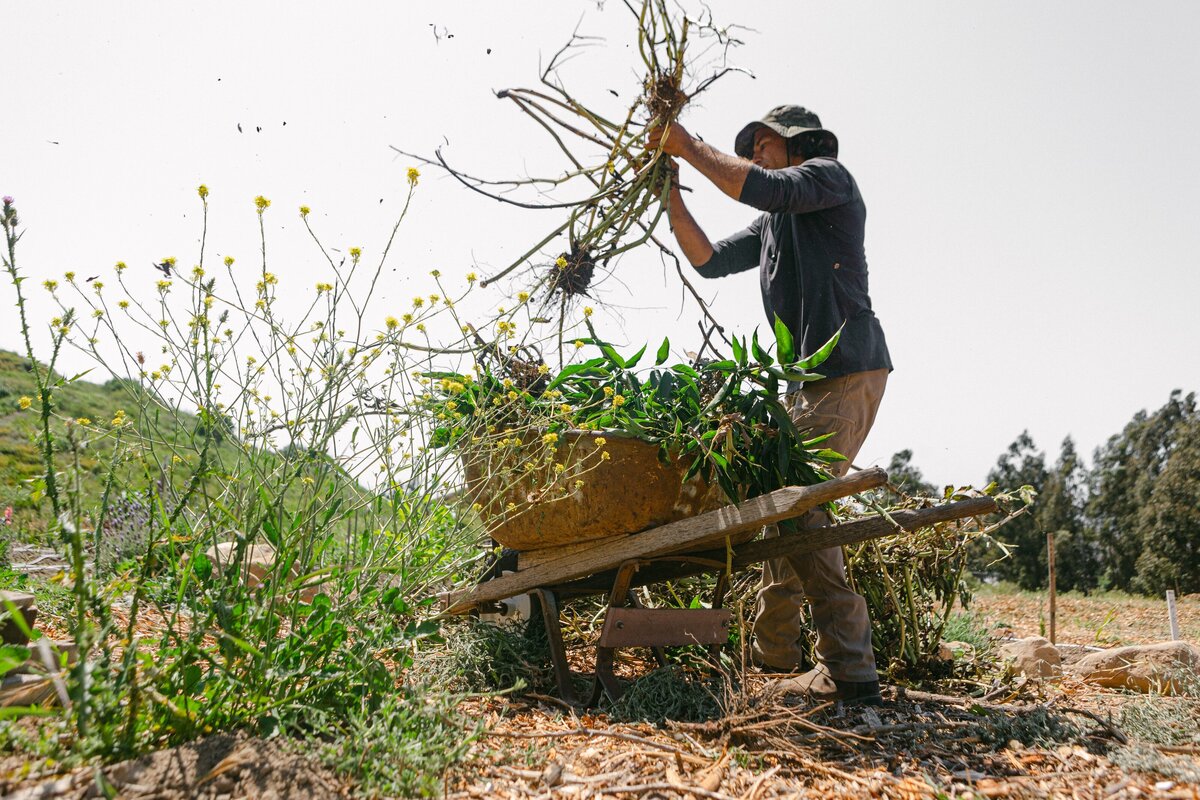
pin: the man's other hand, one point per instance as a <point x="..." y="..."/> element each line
<point x="673" y="138"/>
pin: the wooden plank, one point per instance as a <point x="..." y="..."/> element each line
<point x="532" y="558"/>
<point x="675" y="537"/>
<point x="665" y="627"/>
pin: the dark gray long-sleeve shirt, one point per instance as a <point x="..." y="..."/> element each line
<point x="808" y="247"/>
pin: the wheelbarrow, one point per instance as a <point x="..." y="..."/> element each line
<point x="716" y="542"/>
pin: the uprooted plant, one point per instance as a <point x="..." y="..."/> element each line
<point x="621" y="178"/>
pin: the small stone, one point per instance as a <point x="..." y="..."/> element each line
<point x="952" y="651"/>
<point x="1035" y="658"/>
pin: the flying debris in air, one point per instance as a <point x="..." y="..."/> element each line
<point x="443" y="34"/>
<point x="258" y="128"/>
<point x="89" y="280"/>
<point x="165" y="267"/>
<point x="239" y="127"/>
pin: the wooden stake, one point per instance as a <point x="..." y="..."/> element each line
<point x="1171" y="616"/>
<point x="1053" y="598"/>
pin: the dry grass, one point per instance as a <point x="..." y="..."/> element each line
<point x="1104" y="619"/>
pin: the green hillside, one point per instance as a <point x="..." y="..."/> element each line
<point x="91" y="446"/>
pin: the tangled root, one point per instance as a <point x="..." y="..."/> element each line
<point x="575" y="277"/>
<point x="664" y="99"/>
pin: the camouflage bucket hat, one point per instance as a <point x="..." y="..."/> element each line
<point x="787" y="121"/>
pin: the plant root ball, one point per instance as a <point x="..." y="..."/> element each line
<point x="575" y="277"/>
<point x="664" y="98"/>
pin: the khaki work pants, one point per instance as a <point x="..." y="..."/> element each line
<point x="847" y="405"/>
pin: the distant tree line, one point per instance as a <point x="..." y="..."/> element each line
<point x="1131" y="522"/>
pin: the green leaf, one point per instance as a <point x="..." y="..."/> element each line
<point x="760" y="355"/>
<point x="684" y="369"/>
<point x="612" y="355"/>
<point x="784" y="345"/>
<point x="739" y="351"/>
<point x="11" y="657"/>
<point x="203" y="567"/>
<point x="821" y="354"/>
<point x="633" y="360"/>
<point x="801" y="377"/>
<point x="664" y="352"/>
<point x="574" y="369"/>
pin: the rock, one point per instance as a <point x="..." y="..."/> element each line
<point x="1167" y="668"/>
<point x="10" y="631"/>
<point x="260" y="562"/>
<point x="1034" y="658"/>
<point x="951" y="651"/>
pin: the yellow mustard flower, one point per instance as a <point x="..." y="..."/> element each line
<point x="414" y="175"/>
<point x="120" y="266"/>
<point x="522" y="296"/>
<point x="304" y="211"/>
<point x="25" y="402"/>
<point x="356" y="253"/>
<point x="587" y="311"/>
<point x="229" y="261"/>
<point x="261" y="204"/>
<point x="202" y="190"/>
<point x="561" y="263"/>
<point x="472" y="277"/>
<point x="392" y="323"/>
<point x="550" y="438"/>
<point x="50" y="285"/>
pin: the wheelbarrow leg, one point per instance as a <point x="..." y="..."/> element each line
<point x="606" y="679"/>
<point x="558" y="651"/>
<point x="718" y="600"/>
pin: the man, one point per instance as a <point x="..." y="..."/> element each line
<point x="808" y="248"/>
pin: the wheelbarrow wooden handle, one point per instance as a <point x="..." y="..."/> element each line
<point x="804" y="540"/>
<point x="675" y="537"/>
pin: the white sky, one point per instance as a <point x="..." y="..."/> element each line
<point x="1030" y="168"/>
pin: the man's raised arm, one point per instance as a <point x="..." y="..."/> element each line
<point x="728" y="173"/>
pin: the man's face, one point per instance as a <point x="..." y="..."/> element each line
<point x="770" y="149"/>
